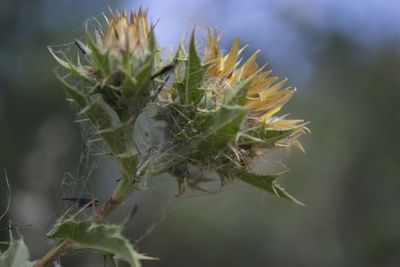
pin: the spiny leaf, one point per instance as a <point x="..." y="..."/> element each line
<point x="74" y="70"/>
<point x="180" y="59"/>
<point x="180" y="53"/>
<point x="119" y="139"/>
<point x="100" y="58"/>
<point x="214" y="131"/>
<point x="152" y="41"/>
<point x="267" y="183"/>
<point x="129" y="82"/>
<point x="74" y="93"/>
<point x="121" y="145"/>
<point x="193" y="76"/>
<point x="105" y="238"/>
<point x="17" y="255"/>
<point x="128" y="164"/>
<point x="143" y="77"/>
<point x="101" y="115"/>
<point x="237" y="94"/>
<point x="264" y="135"/>
<point x="219" y="128"/>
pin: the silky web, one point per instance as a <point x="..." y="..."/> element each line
<point x="96" y="173"/>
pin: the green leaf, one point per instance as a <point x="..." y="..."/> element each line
<point x="101" y="115"/>
<point x="17" y="255"/>
<point x="100" y="59"/>
<point x="74" y="93"/>
<point x="143" y="76"/>
<point x="73" y="69"/>
<point x="180" y="59"/>
<point x="194" y="73"/>
<point x="218" y="128"/>
<point x="120" y="142"/>
<point x="237" y="95"/>
<point x="268" y="184"/>
<point x="118" y="139"/>
<point x="180" y="54"/>
<point x="105" y="238"/>
<point x="128" y="164"/>
<point x="152" y="41"/>
<point x="264" y="135"/>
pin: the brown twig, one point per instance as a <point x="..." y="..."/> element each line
<point x="107" y="208"/>
<point x="57" y="251"/>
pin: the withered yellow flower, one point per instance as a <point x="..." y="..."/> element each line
<point x="265" y="96"/>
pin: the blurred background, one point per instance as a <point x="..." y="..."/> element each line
<point x="344" y="58"/>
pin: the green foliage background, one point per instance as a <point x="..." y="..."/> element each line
<point x="349" y="177"/>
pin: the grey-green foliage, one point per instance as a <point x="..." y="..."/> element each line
<point x="190" y="89"/>
<point x="218" y="128"/>
<point x="263" y="136"/>
<point x="105" y="238"/>
<point x="17" y="254"/>
<point x="237" y="95"/>
<point x="268" y="184"/>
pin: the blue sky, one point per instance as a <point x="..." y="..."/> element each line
<point x="275" y="26"/>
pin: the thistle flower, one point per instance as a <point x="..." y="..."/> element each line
<point x="223" y="114"/>
<point x="264" y="96"/>
<point x="204" y="112"/>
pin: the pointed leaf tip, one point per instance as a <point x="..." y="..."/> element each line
<point x="268" y="184"/>
<point x="190" y="92"/>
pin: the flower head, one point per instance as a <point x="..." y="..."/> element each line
<point x="264" y="97"/>
<point x="126" y="34"/>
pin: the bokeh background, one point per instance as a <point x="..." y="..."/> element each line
<point x="344" y="58"/>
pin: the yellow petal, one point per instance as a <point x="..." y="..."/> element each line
<point x="230" y="62"/>
<point x="264" y="85"/>
<point x="273" y="89"/>
<point x="285" y="124"/>
<point x="247" y="66"/>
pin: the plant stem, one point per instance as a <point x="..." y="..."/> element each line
<point x="107" y="208"/>
<point x="55" y="252"/>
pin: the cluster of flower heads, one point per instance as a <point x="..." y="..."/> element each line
<point x="216" y="113"/>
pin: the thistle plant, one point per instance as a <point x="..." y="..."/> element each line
<point x="188" y="114"/>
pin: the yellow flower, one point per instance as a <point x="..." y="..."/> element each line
<point x="265" y="96"/>
<point x="126" y="35"/>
